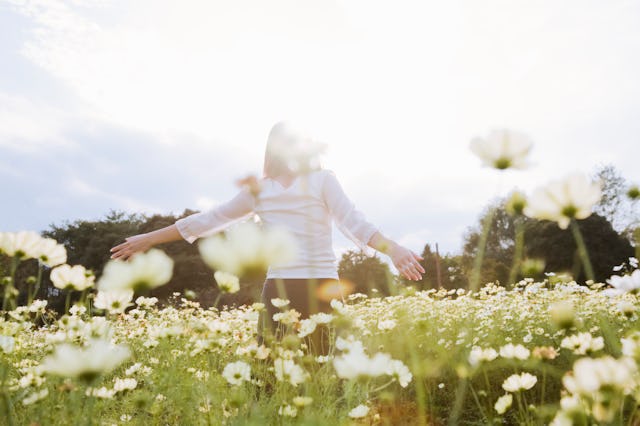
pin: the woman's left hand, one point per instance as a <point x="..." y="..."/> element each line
<point x="407" y="262"/>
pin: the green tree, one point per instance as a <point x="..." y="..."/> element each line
<point x="557" y="247"/>
<point x="451" y="271"/>
<point x="365" y="272"/>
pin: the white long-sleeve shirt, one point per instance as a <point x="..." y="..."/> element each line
<point x="306" y="209"/>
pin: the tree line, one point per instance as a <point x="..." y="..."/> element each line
<point x="608" y="234"/>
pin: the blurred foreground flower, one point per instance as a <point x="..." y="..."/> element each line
<point x="503" y="403"/>
<point x="76" y="277"/>
<point x="7" y="344"/>
<point x="87" y="363"/>
<point x="144" y="271"/>
<point x="30" y="245"/>
<point x="359" y="411"/>
<point x="564" y="200"/>
<point x="502" y="149"/>
<point x="248" y="249"/>
<point x="624" y="284"/>
<point x="227" y="283"/>
<point x="602" y="383"/>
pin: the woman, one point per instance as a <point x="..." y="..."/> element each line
<point x="299" y="196"/>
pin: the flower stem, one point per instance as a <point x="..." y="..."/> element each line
<point x="67" y="302"/>
<point x="9" y="288"/>
<point x="36" y="286"/>
<point x="5" y="397"/>
<point x="582" y="250"/>
<point x="519" y="248"/>
<point x="477" y="263"/>
<point x="461" y="391"/>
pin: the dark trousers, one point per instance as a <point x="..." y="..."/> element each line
<point x="306" y="297"/>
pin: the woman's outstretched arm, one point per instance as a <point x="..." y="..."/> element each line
<point x="406" y="261"/>
<point x="143" y="242"/>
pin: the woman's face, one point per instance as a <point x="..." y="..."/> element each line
<point x="290" y="148"/>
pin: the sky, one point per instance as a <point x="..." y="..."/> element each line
<point x="155" y="106"/>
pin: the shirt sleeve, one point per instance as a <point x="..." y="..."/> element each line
<point x="350" y="221"/>
<point x="217" y="219"/>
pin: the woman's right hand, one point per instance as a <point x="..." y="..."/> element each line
<point x="132" y="245"/>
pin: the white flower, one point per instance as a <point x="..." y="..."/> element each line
<point x="359" y="411"/>
<point x="113" y="301"/>
<point x="626" y="283"/>
<point x="307" y="327"/>
<point x="248" y="249"/>
<point x="102" y="393"/>
<point x="401" y="372"/>
<point x="478" y="355"/>
<point x="51" y="253"/>
<point x="23" y="244"/>
<point x="354" y="363"/>
<point x="517" y="382"/>
<point x="144" y="271"/>
<point x="564" y="200"/>
<point x="592" y="374"/>
<point x="7" y="344"/>
<point x="503" y="403"/>
<point x="502" y="149"/>
<point x="146" y="302"/>
<point x="582" y="343"/>
<point x="35" y="396"/>
<point x="279" y="303"/>
<point x="321" y="318"/>
<point x="237" y="372"/>
<point x="125" y="384"/>
<point x="389" y="324"/>
<point x="288" y="371"/>
<point x="288" y="411"/>
<point x="86" y="363"/>
<point x="514" y="351"/>
<point x="71" y="277"/>
<point x="228" y="283"/>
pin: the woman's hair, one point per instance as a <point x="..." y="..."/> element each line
<point x="290" y="151"/>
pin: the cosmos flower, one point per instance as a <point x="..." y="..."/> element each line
<point x="144" y="271"/>
<point x="359" y="411"/>
<point x="503" y="403"/>
<point x="503" y="149"/>
<point x="288" y="411"/>
<point x="248" y="249"/>
<point x="592" y="374"/>
<point x="563" y="200"/>
<point x="288" y="371"/>
<point x="7" y="344"/>
<point x="68" y="277"/>
<point x="113" y="301"/>
<point x="514" y="351"/>
<point x="582" y="343"/>
<point x="227" y="283"/>
<point x="479" y="355"/>
<point x="237" y="372"/>
<point x="626" y="283"/>
<point x="518" y="382"/>
<point x="86" y="363"/>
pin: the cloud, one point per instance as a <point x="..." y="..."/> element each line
<point x="27" y="125"/>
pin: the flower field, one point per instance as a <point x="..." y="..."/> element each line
<point x="539" y="353"/>
<point x="549" y="352"/>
